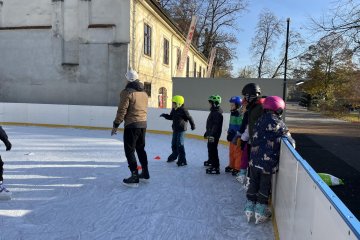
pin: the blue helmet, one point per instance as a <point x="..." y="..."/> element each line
<point x="236" y="100"/>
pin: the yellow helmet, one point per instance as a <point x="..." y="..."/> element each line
<point x="178" y="100"/>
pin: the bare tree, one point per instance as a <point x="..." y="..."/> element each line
<point x="215" y="27"/>
<point x="268" y="30"/>
<point x="344" y="20"/>
<point x="246" y="72"/>
<point x="295" y="50"/>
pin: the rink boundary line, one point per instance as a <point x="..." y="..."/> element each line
<point x="193" y="136"/>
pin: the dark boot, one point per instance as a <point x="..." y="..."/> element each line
<point x="132" y="181"/>
<point x="171" y="158"/>
<point x="144" y="175"/>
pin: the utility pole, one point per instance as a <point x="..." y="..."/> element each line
<point x="286" y="59"/>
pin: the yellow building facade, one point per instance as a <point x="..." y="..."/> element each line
<point x="155" y="50"/>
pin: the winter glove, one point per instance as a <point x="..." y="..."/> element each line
<point x="193" y="128"/>
<point x="8" y="145"/>
<point x="211" y="139"/>
<point x="230" y="135"/>
<point x="205" y="135"/>
<point x="162" y="115"/>
<point x="113" y="131"/>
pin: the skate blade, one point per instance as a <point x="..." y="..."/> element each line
<point x="249" y="215"/>
<point x="144" y="180"/>
<point x="132" y="185"/>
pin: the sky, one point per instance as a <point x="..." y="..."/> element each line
<point x="299" y="12"/>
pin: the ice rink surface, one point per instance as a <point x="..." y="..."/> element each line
<point x="66" y="184"/>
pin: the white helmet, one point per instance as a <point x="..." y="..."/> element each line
<point x="131" y="75"/>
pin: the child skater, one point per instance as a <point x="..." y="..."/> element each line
<point x="4" y="193"/>
<point x="213" y="132"/>
<point x="180" y="116"/>
<point x="232" y="137"/>
<point x="264" y="157"/>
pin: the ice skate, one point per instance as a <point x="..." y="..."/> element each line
<point x="228" y="169"/>
<point x="234" y="172"/>
<point x="241" y="176"/>
<point x="171" y="158"/>
<point x="4" y="193"/>
<point x="262" y="213"/>
<point x="249" y="210"/>
<point x="132" y="181"/>
<point x="207" y="163"/>
<point x="247" y="183"/>
<point x="144" y="175"/>
<point x="213" y="170"/>
<point x="181" y="163"/>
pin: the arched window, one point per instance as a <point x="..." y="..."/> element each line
<point x="162" y="98"/>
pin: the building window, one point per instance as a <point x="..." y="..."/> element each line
<point x="178" y="57"/>
<point x="194" y="69"/>
<point x="147" y="40"/>
<point x="166" y="51"/>
<point x="187" y="66"/>
<point x="204" y="72"/>
<point x="162" y="98"/>
<point x="147" y="88"/>
<point x="200" y="72"/>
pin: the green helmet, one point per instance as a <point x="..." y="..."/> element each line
<point x="178" y="100"/>
<point x="216" y="99"/>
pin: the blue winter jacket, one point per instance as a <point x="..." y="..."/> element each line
<point x="265" y="148"/>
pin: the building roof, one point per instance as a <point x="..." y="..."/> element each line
<point x="164" y="15"/>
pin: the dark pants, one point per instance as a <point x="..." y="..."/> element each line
<point x="177" y="146"/>
<point x="260" y="186"/>
<point x="134" y="139"/>
<point x="213" y="153"/>
<point x="1" y="169"/>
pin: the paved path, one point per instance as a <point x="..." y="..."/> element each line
<point x="331" y="146"/>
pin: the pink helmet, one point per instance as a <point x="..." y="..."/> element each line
<point x="274" y="103"/>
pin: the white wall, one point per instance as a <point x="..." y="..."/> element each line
<point x="92" y="116"/>
<point x="305" y="207"/>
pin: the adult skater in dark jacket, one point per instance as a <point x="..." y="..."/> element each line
<point x="213" y="132"/>
<point x="180" y="116"/>
<point x="4" y="193"/>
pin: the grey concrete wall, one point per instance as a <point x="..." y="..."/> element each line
<point x="32" y="70"/>
<point x="197" y="90"/>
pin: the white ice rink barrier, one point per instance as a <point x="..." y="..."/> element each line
<point x="305" y="207"/>
<point x="92" y="116"/>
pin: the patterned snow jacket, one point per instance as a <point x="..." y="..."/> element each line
<point x="265" y="149"/>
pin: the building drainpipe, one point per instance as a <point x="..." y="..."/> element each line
<point x="132" y="42"/>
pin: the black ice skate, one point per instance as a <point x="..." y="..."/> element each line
<point x="171" y="158"/>
<point x="132" y="181"/>
<point x="207" y="163"/>
<point x="144" y="175"/>
<point x="181" y="163"/>
<point x="234" y="172"/>
<point x="213" y="170"/>
<point x="228" y="169"/>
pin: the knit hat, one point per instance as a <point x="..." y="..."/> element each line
<point x="131" y="75"/>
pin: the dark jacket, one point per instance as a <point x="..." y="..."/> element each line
<point x="265" y="148"/>
<point x="4" y="138"/>
<point x="254" y="110"/>
<point x="214" y="123"/>
<point x="132" y="107"/>
<point x="180" y="117"/>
